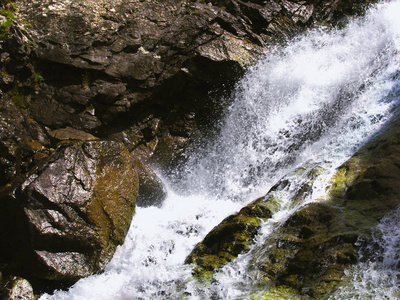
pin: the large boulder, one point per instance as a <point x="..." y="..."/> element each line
<point x="66" y="218"/>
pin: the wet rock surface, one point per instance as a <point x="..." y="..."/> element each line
<point x="106" y="67"/>
<point x="152" y="191"/>
<point x="305" y="257"/>
<point x="147" y="73"/>
<point x="13" y="287"/>
<point x="67" y="217"/>
<point x="230" y="238"/>
<point x="235" y="234"/>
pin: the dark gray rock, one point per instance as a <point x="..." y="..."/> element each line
<point x="21" y="139"/>
<point x="101" y="65"/>
<point x="152" y="191"/>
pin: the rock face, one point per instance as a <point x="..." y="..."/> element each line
<point x="305" y="257"/>
<point x="66" y="219"/>
<point x="107" y="67"/>
<point x="21" y="141"/>
<point x="77" y="74"/>
<point x="144" y="60"/>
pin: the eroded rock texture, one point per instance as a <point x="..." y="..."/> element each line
<point x="13" y="287"/>
<point x="154" y="67"/>
<point x="66" y="219"/>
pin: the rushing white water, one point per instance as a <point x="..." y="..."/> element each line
<point x="317" y="100"/>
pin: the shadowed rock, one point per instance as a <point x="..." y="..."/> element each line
<point x="152" y="191"/>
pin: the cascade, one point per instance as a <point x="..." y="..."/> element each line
<point x="315" y="101"/>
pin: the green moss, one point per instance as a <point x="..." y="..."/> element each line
<point x="89" y="107"/>
<point x="8" y="2"/>
<point x="10" y="18"/>
<point x="8" y="14"/>
<point x="305" y="257"/>
<point x="37" y="78"/>
<point x="17" y="97"/>
<point x="344" y="177"/>
<point x="5" y="28"/>
<point x="278" y="293"/>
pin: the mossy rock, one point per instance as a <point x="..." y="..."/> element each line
<point x="85" y="187"/>
<point x="235" y="234"/>
<point x="278" y="293"/>
<point x="226" y="241"/>
<point x="305" y="253"/>
<point x="311" y="250"/>
<point x="306" y="256"/>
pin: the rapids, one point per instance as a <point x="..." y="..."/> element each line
<point x="316" y="101"/>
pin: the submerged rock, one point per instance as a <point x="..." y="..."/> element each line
<point x="67" y="217"/>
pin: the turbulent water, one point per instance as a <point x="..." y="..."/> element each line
<point x="315" y="101"/>
<point x="377" y="278"/>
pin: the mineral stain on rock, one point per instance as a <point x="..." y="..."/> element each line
<point x="73" y="211"/>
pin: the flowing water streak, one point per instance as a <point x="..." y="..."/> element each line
<point x="313" y="102"/>
<point x="376" y="40"/>
<point x="380" y="273"/>
<point x="290" y="100"/>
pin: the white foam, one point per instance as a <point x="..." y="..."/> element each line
<point x="315" y="101"/>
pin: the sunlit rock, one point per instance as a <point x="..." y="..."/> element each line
<point x="306" y="255"/>
<point x="235" y="234"/>
<point x="69" y="133"/>
<point x="13" y="287"/>
<point x="66" y="219"/>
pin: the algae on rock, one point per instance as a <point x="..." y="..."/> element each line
<point x="75" y="210"/>
<point x="305" y="256"/>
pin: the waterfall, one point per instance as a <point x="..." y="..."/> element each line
<point x="315" y="101"/>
